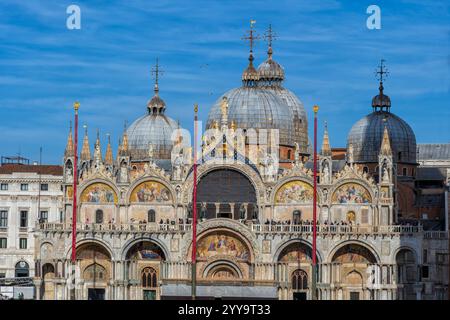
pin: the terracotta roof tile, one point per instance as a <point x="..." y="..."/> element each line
<point x="54" y="170"/>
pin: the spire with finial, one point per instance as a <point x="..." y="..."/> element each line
<point x="124" y="145"/>
<point x="69" y="147"/>
<point x="326" y="149"/>
<point x="85" y="150"/>
<point x="381" y="102"/>
<point x="156" y="105"/>
<point x="250" y="75"/>
<point x="386" y="149"/>
<point x="108" y="154"/>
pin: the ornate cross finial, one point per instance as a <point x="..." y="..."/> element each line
<point x="269" y="36"/>
<point x="382" y="72"/>
<point x="156" y="73"/>
<point x="252" y="36"/>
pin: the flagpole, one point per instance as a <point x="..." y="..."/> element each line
<point x="194" y="211"/>
<point x="76" y="105"/>
<point x="314" y="244"/>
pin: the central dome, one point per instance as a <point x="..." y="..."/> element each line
<point x="257" y="108"/>
<point x="263" y="103"/>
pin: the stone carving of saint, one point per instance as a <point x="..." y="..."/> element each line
<point x="69" y="172"/>
<point x="178" y="166"/>
<point x="350" y="157"/>
<point x="325" y="172"/>
<point x="203" y="211"/>
<point x="242" y="212"/>
<point x="255" y="213"/>
<point x="123" y="172"/>
<point x="296" y="153"/>
<point x="325" y="195"/>
<point x="385" y="174"/>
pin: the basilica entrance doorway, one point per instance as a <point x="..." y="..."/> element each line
<point x="96" y="294"/>
<point x="300" y="296"/>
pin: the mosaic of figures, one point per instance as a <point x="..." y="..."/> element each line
<point x="294" y="192"/>
<point x="222" y="244"/>
<point x="146" y="251"/>
<point x="296" y="252"/>
<point x="353" y="253"/>
<point x="92" y="252"/>
<point x="351" y="193"/>
<point x="99" y="193"/>
<point x="151" y="191"/>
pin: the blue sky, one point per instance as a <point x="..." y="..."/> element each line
<point x="327" y="51"/>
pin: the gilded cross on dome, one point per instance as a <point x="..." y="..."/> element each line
<point x="252" y="36"/>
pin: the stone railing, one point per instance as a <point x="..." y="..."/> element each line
<point x="334" y="229"/>
<point x="122" y="227"/>
<point x="322" y="230"/>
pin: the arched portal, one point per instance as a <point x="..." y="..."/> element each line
<point x="95" y="266"/>
<point x="297" y="258"/>
<point x="48" y="288"/>
<point x="22" y="270"/>
<point x="353" y="268"/>
<point x="226" y="193"/>
<point x="407" y="274"/>
<point x="143" y="266"/>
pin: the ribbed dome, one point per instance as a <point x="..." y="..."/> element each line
<point x="258" y="108"/>
<point x="151" y="129"/>
<point x="366" y="136"/>
<point x="270" y="70"/>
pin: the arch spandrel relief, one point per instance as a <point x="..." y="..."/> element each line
<point x="294" y="192"/>
<point x="98" y="193"/>
<point x="351" y="193"/>
<point x="151" y="191"/>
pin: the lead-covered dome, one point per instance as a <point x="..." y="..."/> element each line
<point x="366" y="135"/>
<point x="153" y="129"/>
<point x="257" y="108"/>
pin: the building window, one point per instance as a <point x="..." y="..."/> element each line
<point x="43" y="217"/>
<point x="151" y="215"/>
<point x="289" y="154"/>
<point x="2" y="275"/>
<point x="4" y="186"/>
<point x="24" y="187"/>
<point x="23" y="243"/>
<point x="22" y="269"/>
<point x="44" y="187"/>
<point x="425" y="256"/>
<point x="3" y="219"/>
<point x="99" y="216"/>
<point x="149" y="278"/>
<point x="366" y="170"/>
<point x="405" y="171"/>
<point x="23" y="218"/>
<point x="425" y="272"/>
<point x="3" y="243"/>
<point x="61" y="216"/>
<point x="299" y="280"/>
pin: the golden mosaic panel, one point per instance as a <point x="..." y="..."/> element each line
<point x="222" y="244"/>
<point x="294" y="192"/>
<point x="151" y="191"/>
<point x="99" y="193"/>
<point x="351" y="193"/>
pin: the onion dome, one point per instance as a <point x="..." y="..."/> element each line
<point x="367" y="134"/>
<point x="153" y="130"/>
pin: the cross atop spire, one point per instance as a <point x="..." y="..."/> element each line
<point x="382" y="72"/>
<point x="326" y="149"/>
<point x="251" y="37"/>
<point x="269" y="36"/>
<point x="156" y="73"/>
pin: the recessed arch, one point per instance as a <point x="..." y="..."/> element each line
<point x="133" y="242"/>
<point x="294" y="191"/>
<point x="92" y="241"/>
<point x="150" y="191"/>
<point x="296" y="244"/>
<point x="354" y="252"/>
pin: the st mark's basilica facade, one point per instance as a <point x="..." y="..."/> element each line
<point x="254" y="200"/>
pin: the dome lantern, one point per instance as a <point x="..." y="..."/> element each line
<point x="381" y="102"/>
